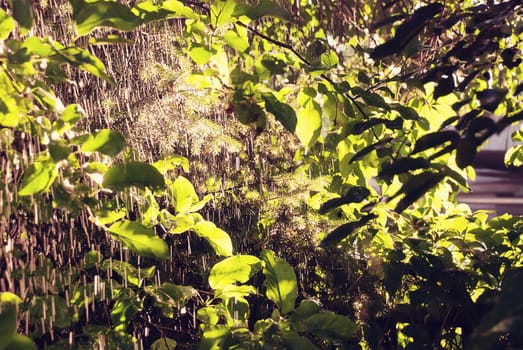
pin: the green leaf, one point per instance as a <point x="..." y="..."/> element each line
<point x="21" y="342"/>
<point x="23" y="14"/>
<point x="72" y="113"/>
<point x="164" y="344"/>
<point x="282" y="111"/>
<point x="214" y="338"/>
<point x="38" y="178"/>
<point x="308" y="126"/>
<point x="267" y="8"/>
<point x="328" y="324"/>
<point x="293" y="341"/>
<point x="9" y="111"/>
<point x="137" y="174"/>
<point x="200" y="54"/>
<point x="170" y="163"/>
<point x="140" y="239"/>
<point x="7" y="25"/>
<point x="217" y="238"/>
<point x="8" y="316"/>
<point x="59" y="150"/>
<point x="127" y="271"/>
<point x="238" y="268"/>
<point x="235" y="41"/>
<point x="104" y="141"/>
<point x="184" y="195"/>
<point x="91" y="14"/>
<point x="282" y="287"/>
<point x="83" y="59"/>
<point x="222" y="12"/>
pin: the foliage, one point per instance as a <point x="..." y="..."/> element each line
<point x="385" y="149"/>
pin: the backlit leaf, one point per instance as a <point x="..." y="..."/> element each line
<point x="137" y="174"/>
<point x="140" y="239"/>
<point x="330" y="325"/>
<point x="282" y="287"/>
<point x="308" y="126"/>
<point x="184" y="195"/>
<point x="282" y="111"/>
<point x="7" y="24"/>
<point x="38" y="178"/>
<point x="238" y="268"/>
<point x="104" y="141"/>
<point x="91" y="14"/>
<point x="217" y="238"/>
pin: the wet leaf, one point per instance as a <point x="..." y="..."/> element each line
<point x="38" y="178"/>
<point x="21" y="342"/>
<point x="294" y="341"/>
<point x="91" y="14"/>
<point x="104" y="141"/>
<point x="266" y="8"/>
<point x="344" y="230"/>
<point x="8" y="318"/>
<point x="184" y="195"/>
<point x="282" y="111"/>
<point x="235" y="41"/>
<point x="282" y="287"/>
<point x="164" y="344"/>
<point x="219" y="240"/>
<point x="137" y="174"/>
<point x="140" y="239"/>
<point x="238" y="268"/>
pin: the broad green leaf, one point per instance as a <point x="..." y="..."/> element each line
<point x="104" y="141"/>
<point x="8" y="316"/>
<point x="328" y="324"/>
<point x="164" y="344"/>
<point x="177" y="8"/>
<point x="9" y="111"/>
<point x="177" y="224"/>
<point x="137" y="174"/>
<point x="235" y="41"/>
<point x="23" y="14"/>
<point x="108" y="215"/>
<point x="306" y="309"/>
<point x="21" y="342"/>
<point x="308" y="126"/>
<point x="267" y="8"/>
<point x="214" y="338"/>
<point x="217" y="238"/>
<point x="221" y="12"/>
<point x="124" y="310"/>
<point x="128" y="271"/>
<point x="140" y="239"/>
<point x="170" y="163"/>
<point x="38" y="178"/>
<point x="91" y="14"/>
<point x="83" y="59"/>
<point x="282" y="111"/>
<point x="59" y="150"/>
<point x="7" y="25"/>
<point x="184" y="195"/>
<point x="200" y="54"/>
<point x="200" y="204"/>
<point x="282" y="287"/>
<point x="173" y="293"/>
<point x="233" y="291"/>
<point x="72" y="113"/>
<point x="238" y="268"/>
